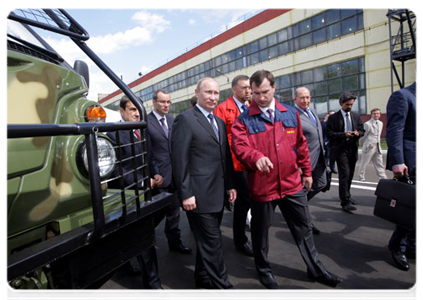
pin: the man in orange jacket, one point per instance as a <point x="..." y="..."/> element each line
<point x="228" y="111"/>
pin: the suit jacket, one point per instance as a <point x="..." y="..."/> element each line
<point x="335" y="132"/>
<point x="202" y="166"/>
<point x="313" y="135"/>
<point x="160" y="147"/>
<point x="371" y="137"/>
<point x="401" y="128"/>
<point x="127" y="165"/>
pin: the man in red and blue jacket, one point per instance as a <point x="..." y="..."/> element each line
<point x="268" y="140"/>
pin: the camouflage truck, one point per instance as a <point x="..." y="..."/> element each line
<point x="65" y="227"/>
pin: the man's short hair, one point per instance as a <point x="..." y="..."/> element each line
<point x="125" y="100"/>
<point x="238" y="78"/>
<point x="259" y="76"/>
<point x="200" y="82"/>
<point x="374" y="109"/>
<point x="193" y="101"/>
<point x="346" y="96"/>
<point x="156" y="93"/>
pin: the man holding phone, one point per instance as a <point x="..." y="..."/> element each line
<point x="344" y="129"/>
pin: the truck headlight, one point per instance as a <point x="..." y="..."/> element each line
<point x="106" y="157"/>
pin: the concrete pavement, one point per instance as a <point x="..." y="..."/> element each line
<point x="351" y="245"/>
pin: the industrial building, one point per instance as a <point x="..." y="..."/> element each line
<point x="327" y="50"/>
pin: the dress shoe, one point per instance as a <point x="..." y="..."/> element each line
<point x="268" y="281"/>
<point x="314" y="229"/>
<point x="333" y="171"/>
<point x="180" y="248"/>
<point x="348" y="207"/>
<point x="326" y="278"/>
<point x="353" y="202"/>
<point x="132" y="269"/>
<point x="203" y="285"/>
<point x="158" y="294"/>
<point x="247" y="249"/>
<point x="400" y="260"/>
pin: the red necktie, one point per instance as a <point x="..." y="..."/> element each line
<point x="137" y="134"/>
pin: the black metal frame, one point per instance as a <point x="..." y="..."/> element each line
<point x="112" y="227"/>
<point x="104" y="223"/>
<point x="402" y="39"/>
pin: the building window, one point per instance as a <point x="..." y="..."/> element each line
<point x="327" y="25"/>
<point x="326" y="84"/>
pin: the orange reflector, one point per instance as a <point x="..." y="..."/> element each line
<point x="96" y="114"/>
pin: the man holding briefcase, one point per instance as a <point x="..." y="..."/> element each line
<point x="401" y="140"/>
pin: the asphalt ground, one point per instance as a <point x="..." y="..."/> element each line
<point x="351" y="245"/>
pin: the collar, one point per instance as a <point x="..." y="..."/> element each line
<point x="238" y="103"/>
<point x="271" y="106"/>
<point x="203" y="111"/>
<point x="158" y="117"/>
<point x="344" y="113"/>
<point x="256" y="110"/>
<point x="302" y="110"/>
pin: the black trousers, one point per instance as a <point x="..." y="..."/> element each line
<point x="346" y="161"/>
<point x="295" y="211"/>
<point x="172" y="215"/>
<point x="241" y="207"/>
<point x="149" y="268"/>
<point x="402" y="239"/>
<point x="210" y="270"/>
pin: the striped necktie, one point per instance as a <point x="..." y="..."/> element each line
<point x="216" y="131"/>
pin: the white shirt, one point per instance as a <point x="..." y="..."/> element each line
<point x="206" y="113"/>
<point x="159" y="117"/>
<point x="272" y="106"/>
<point x="239" y="104"/>
<point x="345" y="119"/>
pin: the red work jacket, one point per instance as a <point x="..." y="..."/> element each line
<point x="283" y="142"/>
<point x="228" y="111"/>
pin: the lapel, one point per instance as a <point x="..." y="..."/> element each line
<point x="206" y="124"/>
<point x="155" y="123"/>
<point x="341" y="121"/>
<point x="307" y="119"/>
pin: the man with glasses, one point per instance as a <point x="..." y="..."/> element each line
<point x="159" y="130"/>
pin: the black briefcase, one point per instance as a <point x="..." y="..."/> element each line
<point x="396" y="202"/>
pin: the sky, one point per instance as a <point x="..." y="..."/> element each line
<point x="133" y="41"/>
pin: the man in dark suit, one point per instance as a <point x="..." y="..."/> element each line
<point x="344" y="129"/>
<point x="159" y="131"/>
<point x="147" y="260"/>
<point x="401" y="140"/>
<point x="203" y="172"/>
<point x="312" y="130"/>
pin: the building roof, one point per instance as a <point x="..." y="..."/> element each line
<point x="248" y="24"/>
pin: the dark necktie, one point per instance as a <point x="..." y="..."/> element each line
<point x="349" y="125"/>
<point x="244" y="107"/>
<point x="270" y="112"/>
<point x="166" y="131"/>
<point x="216" y="131"/>
<point x="308" y="112"/>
